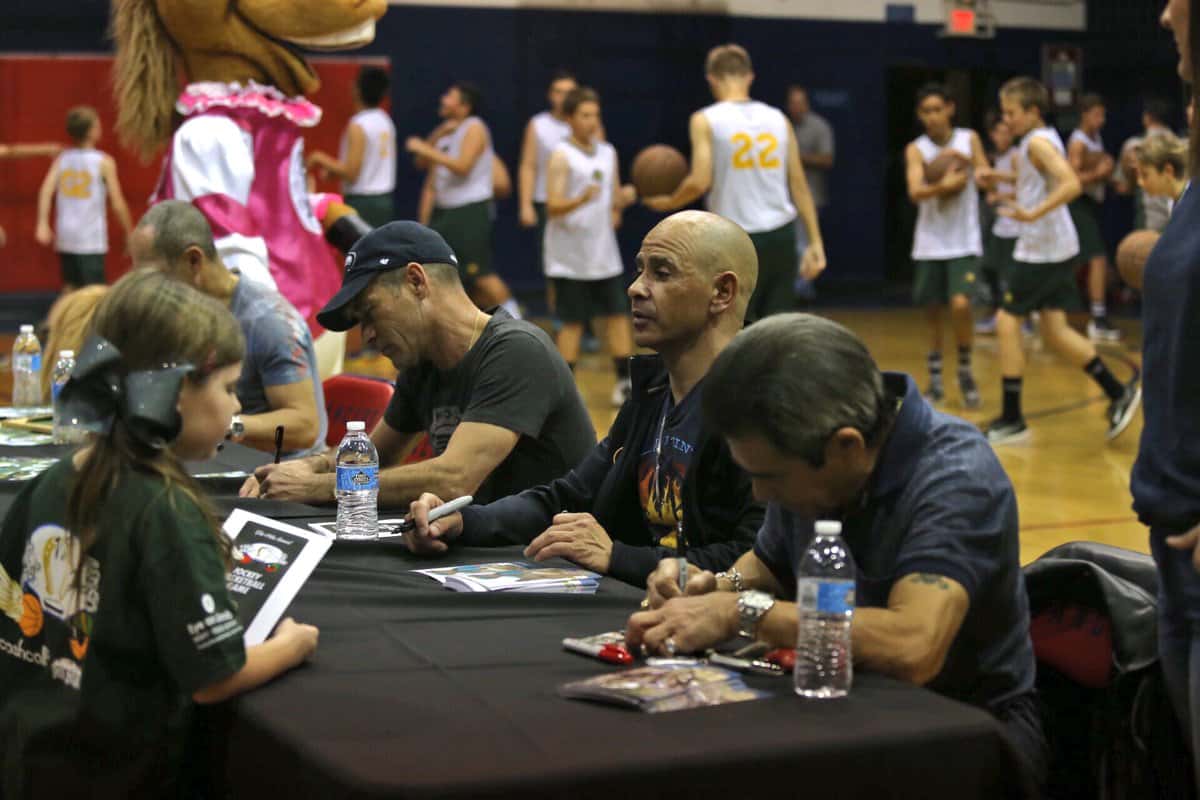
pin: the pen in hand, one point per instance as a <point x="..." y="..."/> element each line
<point x="681" y="555"/>
<point x="444" y="510"/>
<point x="278" y="443"/>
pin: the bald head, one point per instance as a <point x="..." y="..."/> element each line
<point x="711" y="245"/>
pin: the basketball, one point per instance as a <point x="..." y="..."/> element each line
<point x="1093" y="159"/>
<point x="659" y="169"/>
<point x="1132" y="253"/>
<point x="941" y="166"/>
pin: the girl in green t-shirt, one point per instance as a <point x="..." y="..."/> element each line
<point x="114" y="614"/>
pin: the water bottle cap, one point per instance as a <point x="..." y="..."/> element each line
<point x="828" y="527"/>
<point x="66" y="353"/>
<point x="26" y="329"/>
<point x="355" y="425"/>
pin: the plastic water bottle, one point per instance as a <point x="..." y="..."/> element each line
<point x="357" y="485"/>
<point x="27" y="369"/>
<point x="825" y="608"/>
<point x="64" y="429"/>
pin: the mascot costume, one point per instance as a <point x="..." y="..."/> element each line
<point x="235" y="133"/>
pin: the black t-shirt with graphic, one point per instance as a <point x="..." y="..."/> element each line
<point x="513" y="378"/>
<point x="96" y="677"/>
<point x="663" y="460"/>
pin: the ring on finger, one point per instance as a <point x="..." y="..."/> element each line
<point x="669" y="644"/>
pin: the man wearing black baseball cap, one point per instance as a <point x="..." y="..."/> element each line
<point x="498" y="402"/>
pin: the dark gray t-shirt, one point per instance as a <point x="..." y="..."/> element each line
<point x="938" y="502"/>
<point x="513" y="378"/>
<point x="279" y="351"/>
<point x="814" y="137"/>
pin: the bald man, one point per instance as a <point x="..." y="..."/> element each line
<point x="659" y="471"/>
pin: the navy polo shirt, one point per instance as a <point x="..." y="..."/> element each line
<point x="1166" y="476"/>
<point x="938" y="502"/>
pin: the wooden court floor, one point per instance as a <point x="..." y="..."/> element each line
<point x="1071" y="484"/>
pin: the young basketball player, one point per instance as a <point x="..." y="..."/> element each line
<point x="745" y="157"/>
<point x="456" y="200"/>
<point x="544" y="132"/>
<point x="947" y="244"/>
<point x="1002" y="236"/>
<point x="366" y="162"/>
<point x="1093" y="167"/>
<point x="584" y="201"/>
<point x="1163" y="166"/>
<point x="1041" y="276"/>
<point x="80" y="182"/>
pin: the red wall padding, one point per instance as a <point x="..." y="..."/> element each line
<point x="35" y="93"/>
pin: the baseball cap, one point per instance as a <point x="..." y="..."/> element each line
<point x="388" y="247"/>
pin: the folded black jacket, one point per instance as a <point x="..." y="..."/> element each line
<point x="720" y="517"/>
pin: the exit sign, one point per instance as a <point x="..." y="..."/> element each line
<point x="961" y="22"/>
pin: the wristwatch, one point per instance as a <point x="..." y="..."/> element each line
<point x="237" y="429"/>
<point x="752" y="606"/>
<point x="734" y="577"/>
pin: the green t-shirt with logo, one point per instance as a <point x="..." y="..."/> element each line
<point x="96" y="675"/>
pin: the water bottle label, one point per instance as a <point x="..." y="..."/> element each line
<point x="35" y="362"/>
<point x="356" y="479"/>
<point x="826" y="597"/>
<point x="55" y="389"/>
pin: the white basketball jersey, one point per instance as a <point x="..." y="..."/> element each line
<point x="749" y="163"/>
<point x="548" y="133"/>
<point x="948" y="226"/>
<point x="79" y="204"/>
<point x="452" y="191"/>
<point x="1006" y="227"/>
<point x="582" y="245"/>
<point x="377" y="175"/>
<point x="1093" y="145"/>
<point x="1052" y="238"/>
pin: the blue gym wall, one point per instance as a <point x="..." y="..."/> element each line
<point x="647" y="69"/>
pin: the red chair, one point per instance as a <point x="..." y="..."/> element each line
<point x="350" y="397"/>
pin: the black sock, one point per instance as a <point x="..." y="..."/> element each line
<point x="621" y="365"/>
<point x="935" y="366"/>
<point x="964" y="358"/>
<point x="1108" y="382"/>
<point x="1012" y="399"/>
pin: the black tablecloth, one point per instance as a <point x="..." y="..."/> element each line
<point x="232" y="458"/>
<point x="416" y="691"/>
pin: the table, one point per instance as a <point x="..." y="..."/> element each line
<point x="419" y="692"/>
<point x="233" y="458"/>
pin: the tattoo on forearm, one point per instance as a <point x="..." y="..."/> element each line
<point x="930" y="580"/>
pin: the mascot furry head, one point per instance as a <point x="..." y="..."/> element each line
<point x="221" y="40"/>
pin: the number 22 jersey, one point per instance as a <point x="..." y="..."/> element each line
<point x="749" y="163"/>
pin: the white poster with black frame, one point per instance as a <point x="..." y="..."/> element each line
<point x="271" y="562"/>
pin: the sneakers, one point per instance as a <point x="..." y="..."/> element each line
<point x="969" y="389"/>
<point x="1099" y="329"/>
<point x="936" y="392"/>
<point x="1121" y="410"/>
<point x="621" y="392"/>
<point x="1002" y="431"/>
<point x="986" y="326"/>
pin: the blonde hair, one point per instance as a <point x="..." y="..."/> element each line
<point x="1161" y="149"/>
<point x="1028" y="92"/>
<point x="145" y="76"/>
<point x="68" y="321"/>
<point x="728" y="61"/>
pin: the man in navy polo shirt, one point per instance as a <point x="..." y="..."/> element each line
<point x="926" y="508"/>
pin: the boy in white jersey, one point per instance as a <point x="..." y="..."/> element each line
<point x="80" y="182"/>
<point x="584" y="201"/>
<point x="1042" y="276"/>
<point x="544" y="132"/>
<point x="366" y="163"/>
<point x="456" y="200"/>
<point x="1085" y="209"/>
<point x="947" y="243"/>
<point x="745" y="157"/>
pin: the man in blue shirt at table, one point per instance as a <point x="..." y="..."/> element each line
<point x="927" y="511"/>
